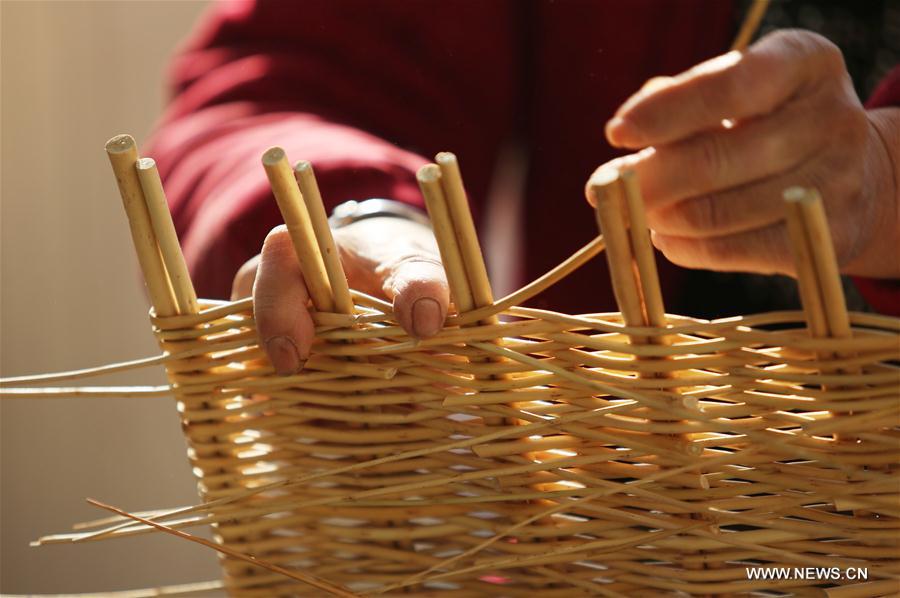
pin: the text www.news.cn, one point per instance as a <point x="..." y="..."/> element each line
<point x="810" y="573"/>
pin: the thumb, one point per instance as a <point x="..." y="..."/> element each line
<point x="418" y="287"/>
<point x="280" y="298"/>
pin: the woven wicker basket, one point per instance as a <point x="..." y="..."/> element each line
<point x="621" y="454"/>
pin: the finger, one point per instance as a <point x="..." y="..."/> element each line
<point x="763" y="250"/>
<point x="721" y="159"/>
<point x="732" y="86"/>
<point x="399" y="259"/>
<point x="736" y="210"/>
<point x="724" y="213"/>
<point x="421" y="295"/>
<point x="280" y="300"/>
<point x="242" y="286"/>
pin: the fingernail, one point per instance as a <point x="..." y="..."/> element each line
<point x="614" y="130"/>
<point x="284" y="355"/>
<point x="426" y="317"/>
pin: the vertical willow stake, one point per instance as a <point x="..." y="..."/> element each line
<point x="123" y="156"/>
<point x="300" y="227"/>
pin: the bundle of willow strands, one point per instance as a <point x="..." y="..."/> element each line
<point x="619" y="454"/>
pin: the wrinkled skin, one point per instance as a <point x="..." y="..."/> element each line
<point x="713" y="192"/>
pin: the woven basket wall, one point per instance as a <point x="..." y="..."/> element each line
<point x="585" y="478"/>
<point x="523" y="451"/>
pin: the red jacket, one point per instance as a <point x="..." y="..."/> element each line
<point x="369" y="90"/>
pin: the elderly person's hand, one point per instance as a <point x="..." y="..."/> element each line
<point x="721" y="141"/>
<point x="386" y="257"/>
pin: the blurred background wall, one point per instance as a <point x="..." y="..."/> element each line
<point x="72" y="75"/>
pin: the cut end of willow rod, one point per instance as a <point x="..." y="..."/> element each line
<point x="120" y="144"/>
<point x="145" y="164"/>
<point x="800" y="195"/>
<point x="445" y="158"/>
<point x="302" y="166"/>
<point x="273" y="156"/>
<point x="599" y="183"/>
<point x="430" y="173"/>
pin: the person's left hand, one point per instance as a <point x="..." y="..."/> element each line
<point x="713" y="189"/>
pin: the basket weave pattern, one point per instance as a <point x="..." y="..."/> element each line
<point x="593" y="465"/>
<point x="519" y="450"/>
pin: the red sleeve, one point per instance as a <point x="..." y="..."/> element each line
<point x="882" y="294"/>
<point x="362" y="89"/>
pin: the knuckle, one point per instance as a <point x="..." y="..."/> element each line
<point x="712" y="158"/>
<point x="831" y="56"/>
<point x="417" y="273"/>
<point x="798" y="42"/>
<point x="700" y="213"/>
<point x="809" y="46"/>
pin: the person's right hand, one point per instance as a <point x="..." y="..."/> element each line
<point x="387" y="257"/>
